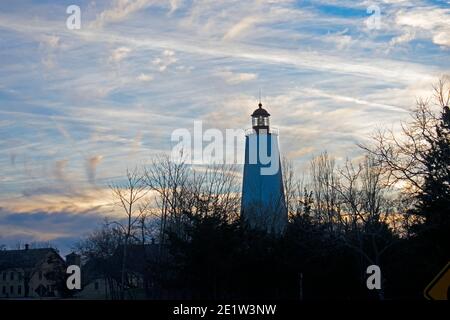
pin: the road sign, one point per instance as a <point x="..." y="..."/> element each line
<point x="438" y="289"/>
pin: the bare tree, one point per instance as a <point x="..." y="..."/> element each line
<point x="215" y="191"/>
<point x="404" y="156"/>
<point x="368" y="211"/>
<point x="297" y="197"/>
<point x="325" y="182"/>
<point x="201" y="190"/>
<point x="169" y="182"/>
<point x="289" y="184"/>
<point x="129" y="195"/>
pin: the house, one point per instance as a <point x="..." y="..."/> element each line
<point x="101" y="278"/>
<point x="30" y="273"/>
<point x="98" y="280"/>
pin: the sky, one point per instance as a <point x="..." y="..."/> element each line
<point x="77" y="107"/>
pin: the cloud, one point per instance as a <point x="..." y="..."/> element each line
<point x="240" y="27"/>
<point x="51" y="41"/>
<point x="12" y="234"/>
<point x="234" y="78"/>
<point x="137" y="143"/>
<point x="406" y="37"/>
<point x="343" y="98"/>
<point x="49" y="44"/>
<point x="59" y="170"/>
<point x="340" y="39"/>
<point x="301" y="152"/>
<point x="389" y="69"/>
<point x="434" y="21"/>
<point x="119" y="54"/>
<point x="398" y="71"/>
<point x="120" y="11"/>
<point x="62" y="228"/>
<point x="442" y="37"/>
<point x="166" y="59"/>
<point x="145" y="77"/>
<point x="91" y="167"/>
<point x="52" y="200"/>
<point x="174" y="5"/>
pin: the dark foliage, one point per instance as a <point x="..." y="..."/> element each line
<point x="223" y="260"/>
<point x="434" y="198"/>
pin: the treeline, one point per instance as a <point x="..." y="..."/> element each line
<point x="390" y="208"/>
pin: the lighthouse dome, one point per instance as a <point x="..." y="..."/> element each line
<point x="260" y="112"/>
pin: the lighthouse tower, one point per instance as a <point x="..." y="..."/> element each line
<point x="263" y="204"/>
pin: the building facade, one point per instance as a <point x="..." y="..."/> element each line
<point x="30" y="273"/>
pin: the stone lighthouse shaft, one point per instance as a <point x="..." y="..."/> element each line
<point x="263" y="203"/>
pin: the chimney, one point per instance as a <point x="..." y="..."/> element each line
<point x="27" y="246"/>
<point x="73" y="259"/>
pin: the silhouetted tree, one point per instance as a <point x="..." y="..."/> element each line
<point x="130" y="197"/>
<point x="434" y="196"/>
<point x="418" y="158"/>
<point x="97" y="249"/>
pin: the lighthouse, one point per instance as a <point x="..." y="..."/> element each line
<point x="263" y="204"/>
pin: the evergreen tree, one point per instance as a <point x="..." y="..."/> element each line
<point x="434" y="199"/>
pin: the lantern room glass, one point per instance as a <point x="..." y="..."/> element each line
<point x="260" y="121"/>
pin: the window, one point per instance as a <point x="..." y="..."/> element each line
<point x="11" y="276"/>
<point x="20" y="276"/>
<point x="4" y="276"/>
<point x="11" y="289"/>
<point x="96" y="285"/>
<point x="4" y="290"/>
<point x="19" y="290"/>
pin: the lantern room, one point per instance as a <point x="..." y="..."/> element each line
<point x="260" y="119"/>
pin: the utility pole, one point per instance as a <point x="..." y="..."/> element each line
<point x="301" y="286"/>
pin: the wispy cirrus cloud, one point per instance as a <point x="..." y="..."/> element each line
<point x="120" y="10"/>
<point x="234" y="78"/>
<point x="240" y="27"/>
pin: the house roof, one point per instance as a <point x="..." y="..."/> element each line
<point x="23" y="258"/>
